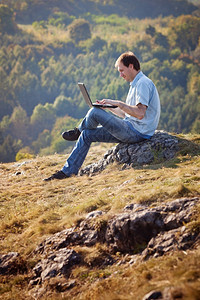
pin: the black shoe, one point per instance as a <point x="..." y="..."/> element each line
<point x="71" y="135"/>
<point x="57" y="175"/>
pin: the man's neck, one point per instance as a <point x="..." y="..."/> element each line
<point x="135" y="74"/>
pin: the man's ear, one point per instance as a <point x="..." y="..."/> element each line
<point x="131" y="66"/>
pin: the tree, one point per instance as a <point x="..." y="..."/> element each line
<point x="96" y="44"/>
<point x="79" y="30"/>
<point x="58" y="144"/>
<point x="64" y="106"/>
<point x="60" y="19"/>
<point x="185" y="32"/>
<point x="43" y="117"/>
<point x="9" y="149"/>
<point x="5" y="95"/>
<point x="150" y="30"/>
<point x="7" y="23"/>
<point x="193" y="84"/>
<point x="160" y="39"/>
<point x="19" y="124"/>
<point x="43" y="141"/>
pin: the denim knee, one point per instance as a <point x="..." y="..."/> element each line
<point x="96" y="111"/>
<point x="86" y="136"/>
<point x="91" y="112"/>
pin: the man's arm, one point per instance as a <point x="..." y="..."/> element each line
<point x="137" y="111"/>
<point x="117" y="111"/>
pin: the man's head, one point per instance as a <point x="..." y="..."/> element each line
<point x="128" y="65"/>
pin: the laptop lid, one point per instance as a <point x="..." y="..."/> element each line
<point x="88" y="100"/>
<point x="85" y="93"/>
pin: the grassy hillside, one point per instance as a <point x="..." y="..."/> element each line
<point x="31" y="210"/>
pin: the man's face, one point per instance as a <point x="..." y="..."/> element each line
<point x="126" y="72"/>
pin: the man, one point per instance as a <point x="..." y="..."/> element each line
<point x="131" y="122"/>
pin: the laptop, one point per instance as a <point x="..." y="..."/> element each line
<point x="88" y="100"/>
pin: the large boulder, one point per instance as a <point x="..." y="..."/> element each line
<point x="161" y="146"/>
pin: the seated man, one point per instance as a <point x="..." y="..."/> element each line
<point x="131" y="122"/>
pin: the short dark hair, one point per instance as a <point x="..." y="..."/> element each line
<point x="128" y="58"/>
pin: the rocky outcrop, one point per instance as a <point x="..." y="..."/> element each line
<point x="128" y="231"/>
<point x="147" y="232"/>
<point x="140" y="230"/>
<point x="162" y="146"/>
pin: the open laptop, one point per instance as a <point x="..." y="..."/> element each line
<point x="88" y="100"/>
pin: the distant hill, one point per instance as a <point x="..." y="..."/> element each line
<point x="63" y="42"/>
<point x="29" y="11"/>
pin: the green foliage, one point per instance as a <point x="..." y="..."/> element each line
<point x="175" y="53"/>
<point x="193" y="84"/>
<point x="29" y="11"/>
<point x="185" y="32"/>
<point x="150" y="30"/>
<point x="7" y="23"/>
<point x="20" y="124"/>
<point x="159" y="38"/>
<point x="39" y="25"/>
<point x="39" y="72"/>
<point x="96" y="44"/>
<point x="79" y="30"/>
<point x="43" y="141"/>
<point x="58" y="144"/>
<point x="43" y="117"/>
<point x="60" y="19"/>
<point x="112" y="19"/>
<point x="64" y="106"/>
<point x="9" y="148"/>
<point x="20" y="155"/>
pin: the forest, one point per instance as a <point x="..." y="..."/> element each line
<point x="47" y="48"/>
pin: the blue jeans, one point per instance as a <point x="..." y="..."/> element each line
<point x="98" y="126"/>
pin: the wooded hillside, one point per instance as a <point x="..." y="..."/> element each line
<point x="31" y="10"/>
<point x="46" y="49"/>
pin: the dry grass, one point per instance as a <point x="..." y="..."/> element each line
<point x="127" y="30"/>
<point x="47" y="36"/>
<point x="32" y="209"/>
<point x="133" y="281"/>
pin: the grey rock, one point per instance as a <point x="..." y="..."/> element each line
<point x="134" y="206"/>
<point x="161" y="146"/>
<point x="130" y="231"/>
<point x="57" y="263"/>
<point x="94" y="214"/>
<point x="84" y="234"/>
<point x="169" y="293"/>
<point x="11" y="263"/>
<point x="176" y="239"/>
<point x="153" y="295"/>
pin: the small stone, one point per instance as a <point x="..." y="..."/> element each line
<point x="94" y="214"/>
<point x="153" y="295"/>
<point x="11" y="263"/>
